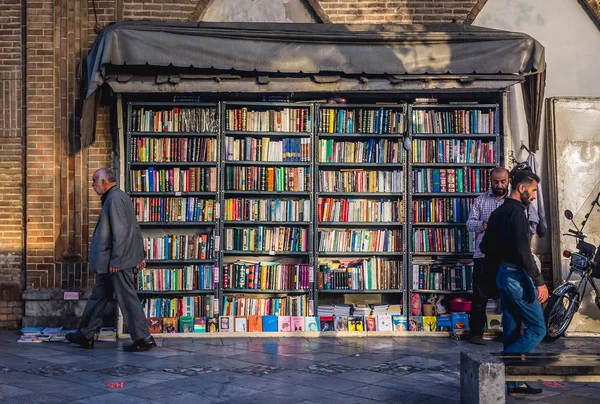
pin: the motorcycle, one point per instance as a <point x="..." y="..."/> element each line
<point x="566" y="299"/>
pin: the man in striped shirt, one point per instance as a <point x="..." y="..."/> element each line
<point x="484" y="279"/>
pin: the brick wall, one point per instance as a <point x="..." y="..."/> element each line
<point x="401" y="12"/>
<point x="11" y="181"/>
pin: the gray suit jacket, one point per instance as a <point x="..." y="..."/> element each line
<point x="117" y="239"/>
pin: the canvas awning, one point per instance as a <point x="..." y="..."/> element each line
<point x="307" y="49"/>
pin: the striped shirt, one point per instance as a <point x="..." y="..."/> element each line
<point x="482" y="209"/>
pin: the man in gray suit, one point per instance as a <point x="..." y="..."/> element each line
<point x="116" y="251"/>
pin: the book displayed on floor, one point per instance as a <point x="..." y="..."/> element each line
<point x="305" y="216"/>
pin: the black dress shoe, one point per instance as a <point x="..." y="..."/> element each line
<point x="80" y="339"/>
<point x="141" y="345"/>
<point x="524" y="391"/>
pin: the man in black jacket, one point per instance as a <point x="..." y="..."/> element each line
<point x="115" y="252"/>
<point x="507" y="241"/>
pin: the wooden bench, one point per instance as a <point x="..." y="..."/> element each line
<point x="483" y="375"/>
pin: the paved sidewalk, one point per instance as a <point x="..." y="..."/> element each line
<point x="262" y="371"/>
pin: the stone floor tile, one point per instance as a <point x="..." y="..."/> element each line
<point x="12" y="391"/>
<point x="190" y="398"/>
<point x="326" y="369"/>
<point x="35" y="398"/>
<point x="123" y="370"/>
<point x="363" y="376"/>
<point x="378" y="393"/>
<point x="112" y="398"/>
<point x="152" y="392"/>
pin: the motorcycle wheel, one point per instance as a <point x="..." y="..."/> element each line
<point x="559" y="313"/>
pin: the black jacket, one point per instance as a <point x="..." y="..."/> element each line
<point x="507" y="238"/>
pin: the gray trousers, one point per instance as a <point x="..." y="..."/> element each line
<point x="121" y="283"/>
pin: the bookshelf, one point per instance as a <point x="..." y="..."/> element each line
<point x="360" y="231"/>
<point x="172" y="177"/>
<point x="266" y="172"/>
<point x="285" y="207"/>
<point x="454" y="147"/>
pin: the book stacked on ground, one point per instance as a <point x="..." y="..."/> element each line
<point x="107" y="334"/>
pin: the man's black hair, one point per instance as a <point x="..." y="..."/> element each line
<point x="523" y="177"/>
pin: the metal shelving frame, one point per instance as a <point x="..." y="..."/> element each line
<point x="131" y="134"/>
<point x="306" y="257"/>
<point x="443" y="257"/>
<point x="367" y="195"/>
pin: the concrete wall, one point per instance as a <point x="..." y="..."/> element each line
<point x="572" y="43"/>
<point x="260" y="11"/>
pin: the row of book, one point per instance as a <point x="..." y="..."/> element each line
<point x="274" y="323"/>
<point x="280" y="179"/>
<point x="190" y="277"/>
<point x="365" y="274"/>
<point x="361" y="120"/>
<point x="160" y="209"/>
<point x="271" y="120"/>
<point x="358" y="180"/>
<point x="266" y="276"/>
<point x="451" y="277"/>
<point x="360" y="210"/>
<point x="179" y="247"/>
<point x="267" y="239"/>
<point x="266" y="149"/>
<point x="461" y="121"/>
<point x="372" y="151"/>
<point x="442" y="210"/>
<point x="348" y="240"/>
<point x="469" y="151"/>
<point x="442" y="240"/>
<point x="194" y="306"/>
<point x="280" y="210"/>
<point x="451" y="179"/>
<point x="355" y="310"/>
<point x="174" y="120"/>
<point x="278" y="306"/>
<point x="193" y="179"/>
<point x="173" y="149"/>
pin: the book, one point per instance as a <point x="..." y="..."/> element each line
<point x="186" y="324"/>
<point x="212" y="324"/>
<point x="241" y="324"/>
<point x="155" y="324"/>
<point x="226" y="324"/>
<point x="270" y="323"/>
<point x="460" y="322"/>
<point x="170" y="325"/>
<point x="494" y="322"/>
<point x="255" y="323"/>
<point x="32" y="331"/>
<point x="108" y="334"/>
<point x="284" y="324"/>
<point x="371" y="323"/>
<point x="326" y="323"/>
<point x="311" y="324"/>
<point x="384" y="322"/>
<point x="341" y="323"/>
<point x="399" y="322"/>
<point x="200" y="324"/>
<point x="356" y="323"/>
<point x="416" y="323"/>
<point x="430" y="323"/>
<point x="297" y="323"/>
<point x="444" y="322"/>
<point x="51" y="331"/>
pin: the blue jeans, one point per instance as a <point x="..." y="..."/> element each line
<point x="518" y="297"/>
